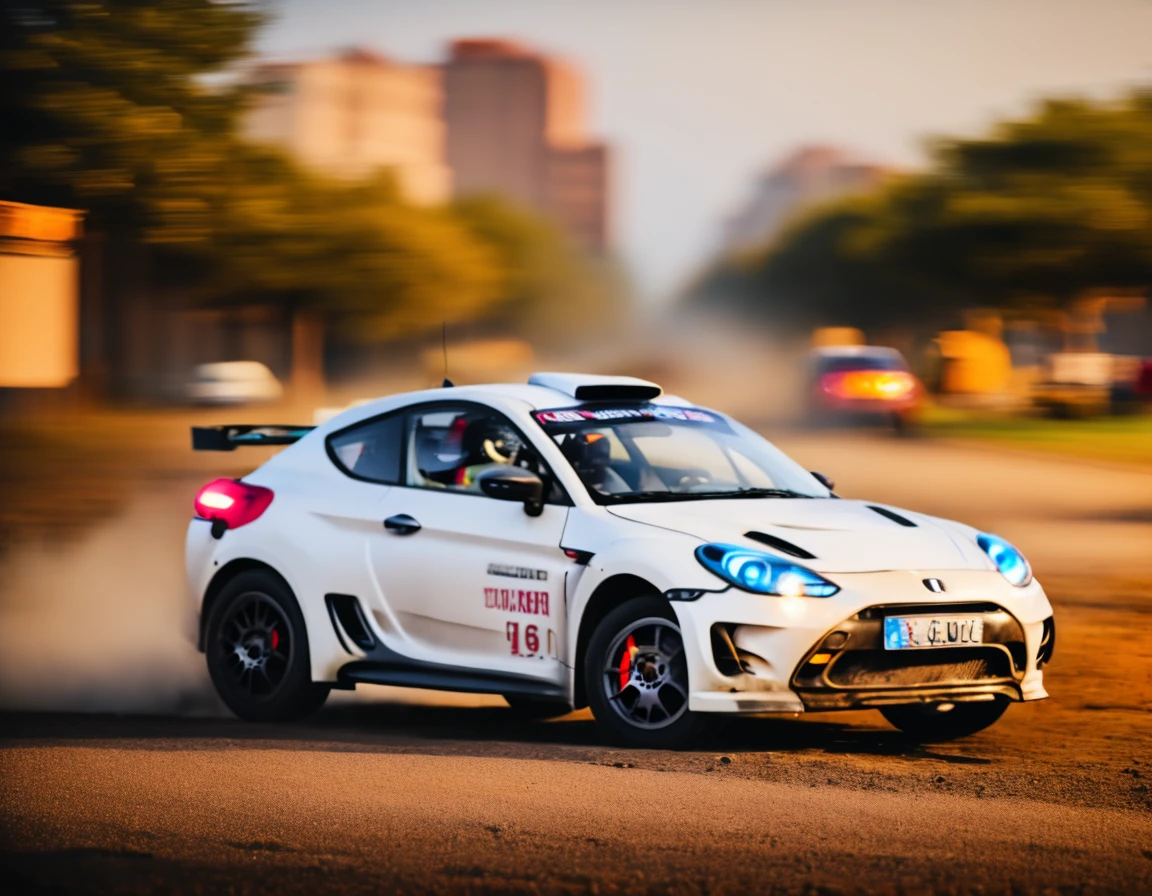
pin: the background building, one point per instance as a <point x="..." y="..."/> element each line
<point x="811" y="175"/>
<point x="39" y="296"/>
<point x="355" y="113"/>
<point x="515" y="127"/>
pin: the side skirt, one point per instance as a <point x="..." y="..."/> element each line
<point x="382" y="665"/>
<point x="402" y="672"/>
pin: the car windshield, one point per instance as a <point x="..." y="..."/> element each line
<point x="660" y="453"/>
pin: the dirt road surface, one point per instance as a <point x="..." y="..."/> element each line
<point x="392" y="791"/>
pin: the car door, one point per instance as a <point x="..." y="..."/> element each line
<point x="470" y="580"/>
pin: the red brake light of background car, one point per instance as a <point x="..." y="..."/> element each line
<point x="232" y="502"/>
<point x="869" y="384"/>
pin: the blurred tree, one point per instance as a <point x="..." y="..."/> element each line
<point x="124" y="108"/>
<point x="549" y="289"/>
<point x="347" y="254"/>
<point x="1046" y="208"/>
<point x="107" y="107"/>
<point x="1040" y="212"/>
<point x="118" y="107"/>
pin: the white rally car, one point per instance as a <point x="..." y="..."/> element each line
<point x="587" y="541"/>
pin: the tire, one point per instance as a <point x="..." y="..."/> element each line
<point x="534" y="708"/>
<point x="256" y="646"/>
<point x="640" y="700"/>
<point x="926" y="723"/>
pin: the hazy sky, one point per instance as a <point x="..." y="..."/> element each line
<point x="698" y="96"/>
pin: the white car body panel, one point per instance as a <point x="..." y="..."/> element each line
<point x="500" y="557"/>
<point x="428" y="596"/>
<point x="845" y="536"/>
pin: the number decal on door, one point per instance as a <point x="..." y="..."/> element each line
<point x="527" y="642"/>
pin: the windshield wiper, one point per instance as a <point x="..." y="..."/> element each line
<point x="752" y="493"/>
<point x="656" y="497"/>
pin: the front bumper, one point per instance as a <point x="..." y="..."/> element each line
<point x="750" y="653"/>
<point x="850" y="669"/>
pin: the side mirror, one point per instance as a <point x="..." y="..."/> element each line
<point x="824" y="481"/>
<point x="514" y="484"/>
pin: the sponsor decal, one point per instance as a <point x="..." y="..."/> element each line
<point x="517" y="572"/>
<point x="517" y="600"/>
<point x="559" y="417"/>
<point x="647" y="412"/>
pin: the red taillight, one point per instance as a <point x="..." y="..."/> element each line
<point x="869" y="384"/>
<point x="232" y="502"/>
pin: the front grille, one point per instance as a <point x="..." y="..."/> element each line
<point x="904" y="668"/>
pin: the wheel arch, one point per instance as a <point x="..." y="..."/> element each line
<point x="223" y="576"/>
<point x="608" y="595"/>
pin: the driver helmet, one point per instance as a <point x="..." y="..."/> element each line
<point x="589" y="453"/>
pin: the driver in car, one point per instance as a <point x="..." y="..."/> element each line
<point x="590" y="454"/>
<point x="486" y="443"/>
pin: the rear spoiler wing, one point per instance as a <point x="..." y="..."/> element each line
<point x="229" y="438"/>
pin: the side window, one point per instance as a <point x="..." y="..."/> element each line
<point x="370" y="450"/>
<point x="449" y="447"/>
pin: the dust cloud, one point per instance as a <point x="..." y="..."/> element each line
<point x="100" y="624"/>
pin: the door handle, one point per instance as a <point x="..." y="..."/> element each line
<point x="401" y="524"/>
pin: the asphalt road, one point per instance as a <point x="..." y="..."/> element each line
<point x="380" y="795"/>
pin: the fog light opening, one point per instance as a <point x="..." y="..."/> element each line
<point x="945" y="707"/>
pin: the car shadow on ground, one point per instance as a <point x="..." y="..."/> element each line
<point x="455" y="730"/>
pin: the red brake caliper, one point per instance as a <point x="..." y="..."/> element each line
<point x="626" y="661"/>
<point x="275" y="639"/>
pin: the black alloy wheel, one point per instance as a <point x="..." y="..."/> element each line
<point x="257" y="651"/>
<point x="636" y="677"/>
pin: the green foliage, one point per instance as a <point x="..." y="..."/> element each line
<point x="375" y="266"/>
<point x="1039" y="212"/>
<point x="106" y="107"/>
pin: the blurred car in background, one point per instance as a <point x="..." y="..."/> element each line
<point x="233" y="382"/>
<point x="862" y="383"/>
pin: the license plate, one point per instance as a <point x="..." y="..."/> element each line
<point x="910" y="632"/>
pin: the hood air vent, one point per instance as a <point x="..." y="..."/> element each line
<point x="784" y="547"/>
<point x="893" y="515"/>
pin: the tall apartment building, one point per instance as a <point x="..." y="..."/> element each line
<point x="354" y="113"/>
<point x="515" y="127"/>
<point x="811" y="175"/>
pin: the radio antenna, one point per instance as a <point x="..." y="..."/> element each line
<point x="447" y="384"/>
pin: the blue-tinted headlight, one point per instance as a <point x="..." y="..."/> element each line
<point x="762" y="573"/>
<point x="1008" y="559"/>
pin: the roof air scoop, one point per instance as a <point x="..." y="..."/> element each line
<point x="589" y="387"/>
